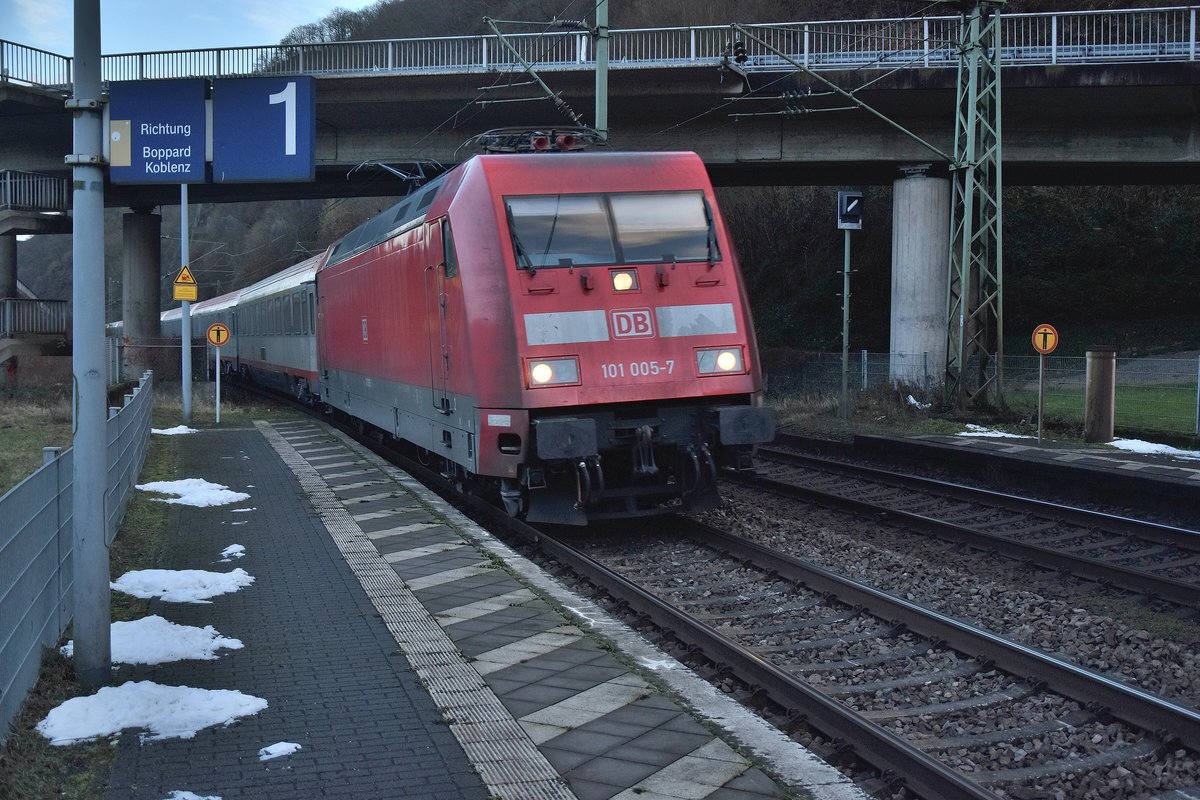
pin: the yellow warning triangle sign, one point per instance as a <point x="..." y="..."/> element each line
<point x="185" y="276"/>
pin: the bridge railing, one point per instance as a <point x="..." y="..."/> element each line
<point x="30" y="191"/>
<point x="1076" y="37"/>
<point x="30" y="66"/>
<point x="20" y="317"/>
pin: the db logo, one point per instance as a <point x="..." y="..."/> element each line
<point x="631" y="323"/>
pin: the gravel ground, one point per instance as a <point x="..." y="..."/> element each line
<point x="1038" y="609"/>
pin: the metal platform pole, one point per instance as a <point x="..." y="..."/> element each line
<point x="90" y="595"/>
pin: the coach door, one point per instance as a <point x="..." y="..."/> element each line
<point x="435" y="310"/>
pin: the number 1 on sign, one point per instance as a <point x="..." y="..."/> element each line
<point x="288" y="98"/>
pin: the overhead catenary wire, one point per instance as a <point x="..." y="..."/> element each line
<point x="414" y="153"/>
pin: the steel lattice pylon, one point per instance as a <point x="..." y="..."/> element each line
<point x="974" y="307"/>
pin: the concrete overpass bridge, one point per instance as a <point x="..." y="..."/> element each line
<point x="1089" y="97"/>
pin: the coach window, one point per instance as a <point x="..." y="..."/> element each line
<point x="560" y="231"/>
<point x="449" y="256"/>
<point x="662" y="226"/>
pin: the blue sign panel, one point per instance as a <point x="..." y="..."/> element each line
<point x="264" y="129"/>
<point x="157" y="131"/>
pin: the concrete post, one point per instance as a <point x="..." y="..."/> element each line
<point x="8" y="267"/>
<point x="1100" y="394"/>
<point x="140" y="288"/>
<point x="920" y="253"/>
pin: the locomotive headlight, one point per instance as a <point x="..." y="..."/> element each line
<point x="719" y="361"/>
<point x="624" y="280"/>
<point x="553" y="372"/>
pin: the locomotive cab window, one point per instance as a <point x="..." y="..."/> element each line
<point x="662" y="226"/>
<point x="596" y="229"/>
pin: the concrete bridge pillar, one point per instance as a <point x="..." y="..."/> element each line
<point x="920" y="255"/>
<point x="140" y="303"/>
<point x="8" y="266"/>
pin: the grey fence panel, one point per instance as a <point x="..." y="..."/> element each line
<point x="36" y="567"/>
<point x="35" y="587"/>
<point x="128" y="439"/>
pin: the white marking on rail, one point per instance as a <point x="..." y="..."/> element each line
<point x="399" y="529"/>
<point x="335" y="475"/>
<point x="312" y="452"/>
<point x="334" y="465"/>
<point x="481" y="608"/>
<point x="698" y="774"/>
<point x="341" y="487"/>
<point x="438" y="578"/>
<point x="366" y="498"/>
<point x="531" y="647"/>
<point x="417" y="552"/>
<point x="591" y="704"/>
<point x="387" y="512"/>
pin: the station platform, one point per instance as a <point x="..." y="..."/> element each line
<point x="410" y="654"/>
<point x="1143" y="483"/>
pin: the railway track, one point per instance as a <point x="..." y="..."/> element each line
<point x="947" y="709"/>
<point x="936" y="708"/>
<point x="1157" y="560"/>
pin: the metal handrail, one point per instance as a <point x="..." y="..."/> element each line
<point x="20" y="317"/>
<point x="31" y="191"/>
<point x="1167" y="33"/>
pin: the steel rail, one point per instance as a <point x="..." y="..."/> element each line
<point x="1170" y="535"/>
<point x="890" y="754"/>
<point x="926" y="776"/>
<point x="1176" y="591"/>
<point x="1129" y="704"/>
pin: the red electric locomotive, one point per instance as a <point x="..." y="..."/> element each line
<point x="570" y="331"/>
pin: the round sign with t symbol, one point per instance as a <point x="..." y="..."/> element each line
<point x="218" y="334"/>
<point x="1045" y="339"/>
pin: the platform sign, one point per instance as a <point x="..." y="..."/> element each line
<point x="264" y="129"/>
<point x="157" y="131"/>
<point x="186" y="287"/>
<point x="218" y="334"/>
<point x="1045" y="339"/>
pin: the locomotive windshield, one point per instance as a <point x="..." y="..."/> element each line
<point x="570" y="230"/>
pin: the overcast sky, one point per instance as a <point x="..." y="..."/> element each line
<point x="128" y="26"/>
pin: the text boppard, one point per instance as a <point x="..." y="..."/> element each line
<point x="166" y="160"/>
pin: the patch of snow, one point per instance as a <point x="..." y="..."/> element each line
<point x="915" y="403"/>
<point x="194" y="492"/>
<point x="979" y="430"/>
<point x="154" y="640"/>
<point x="232" y="552"/>
<point x="166" y="712"/>
<point x="277" y="750"/>
<point x="181" y="586"/>
<point x="1152" y="448"/>
<point x="176" y="431"/>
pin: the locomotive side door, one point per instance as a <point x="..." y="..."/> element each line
<point x="435" y="313"/>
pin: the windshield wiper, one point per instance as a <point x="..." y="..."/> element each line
<point x="518" y="248"/>
<point x="711" y="236"/>
<point x="553" y="225"/>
